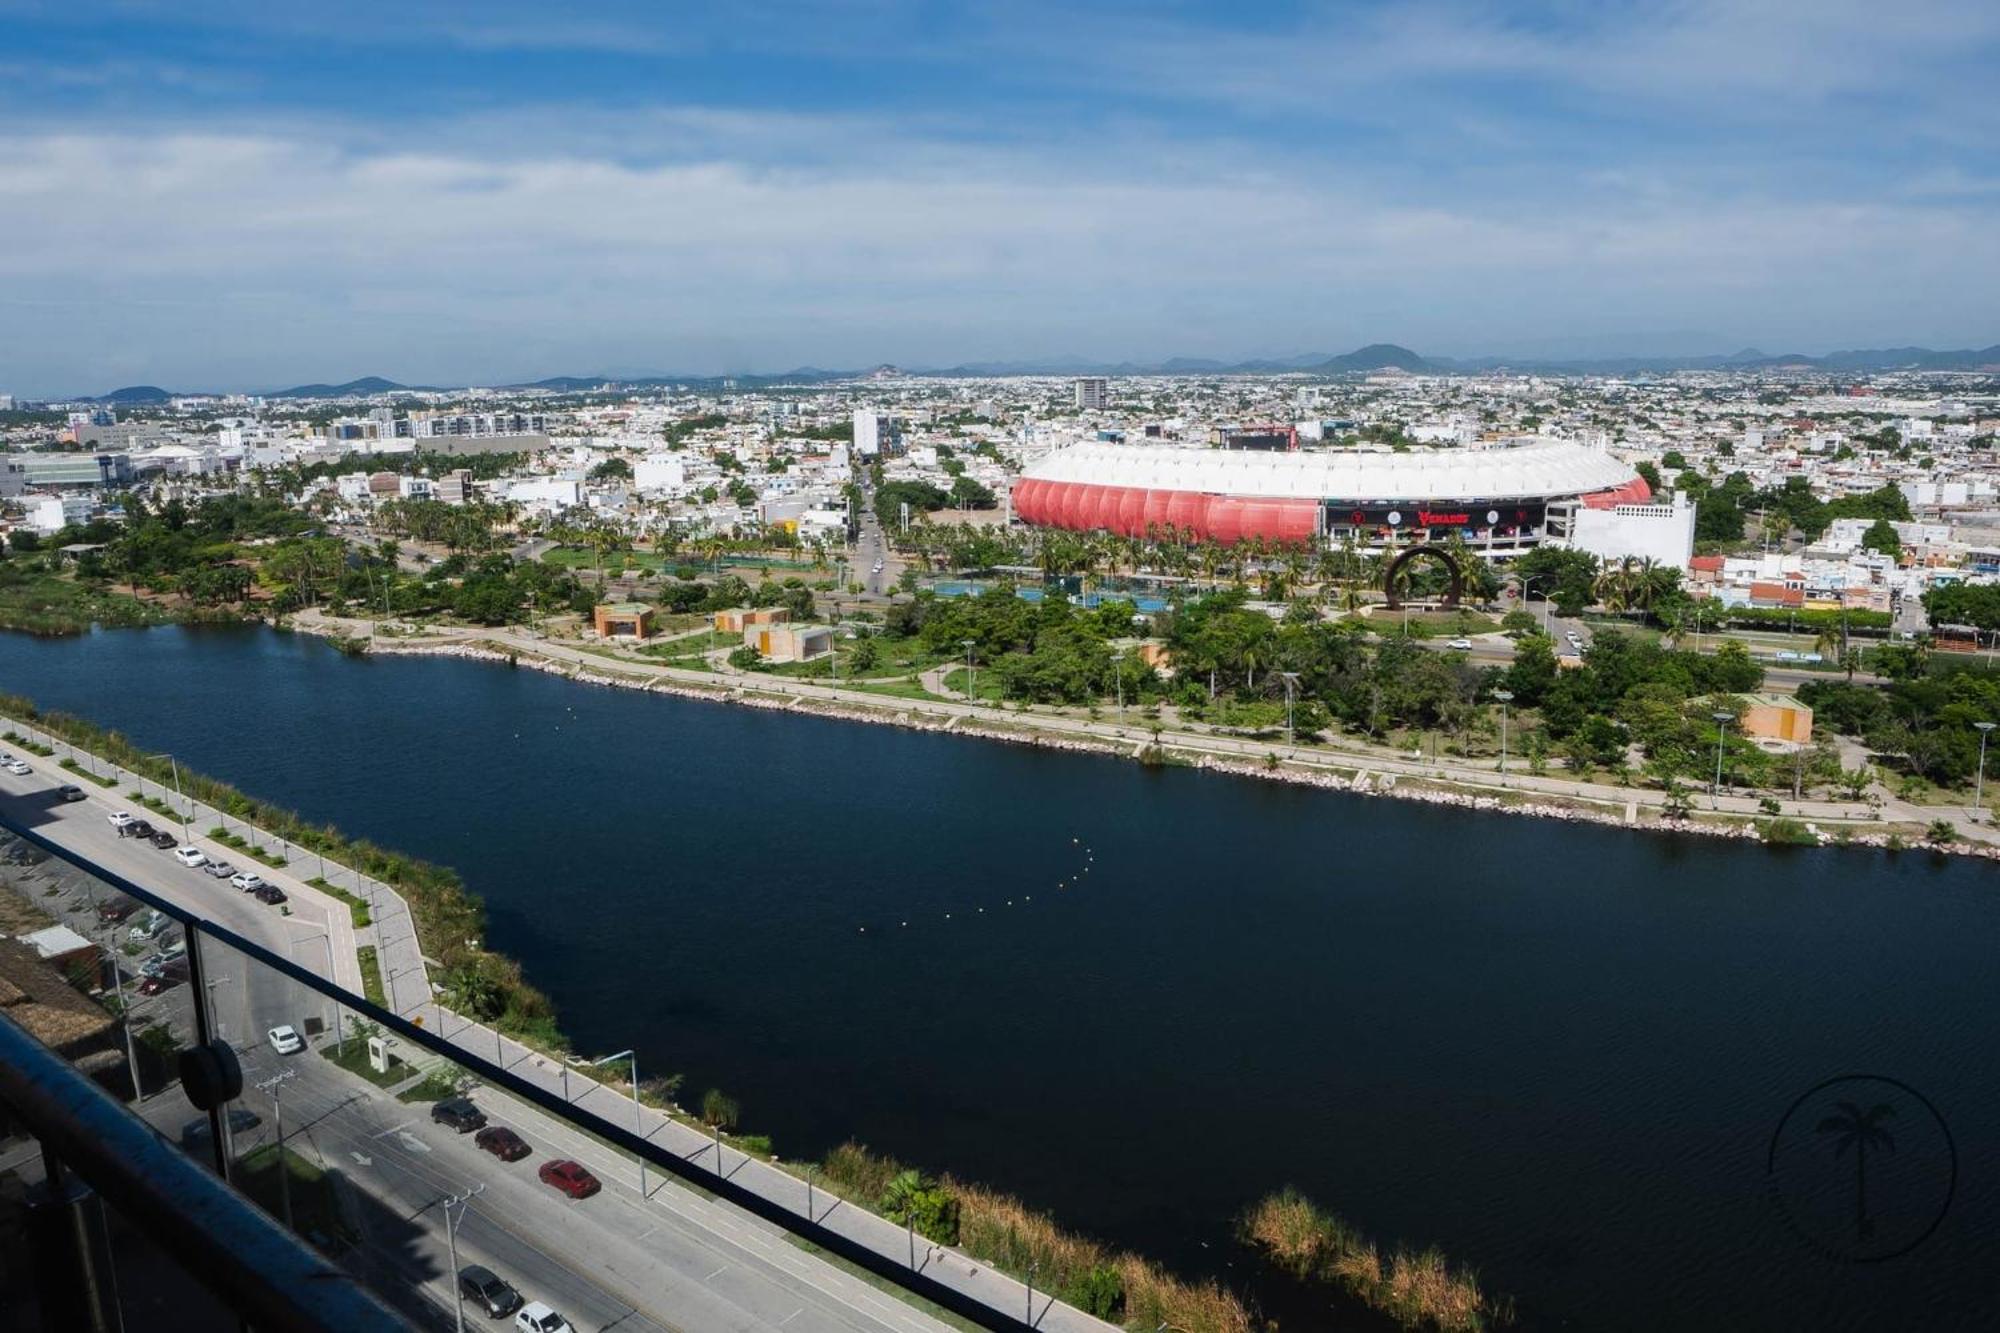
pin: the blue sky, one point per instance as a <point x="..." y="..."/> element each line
<point x="248" y="195"/>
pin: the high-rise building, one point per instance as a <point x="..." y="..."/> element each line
<point x="1090" y="393"/>
<point x="875" y="433"/>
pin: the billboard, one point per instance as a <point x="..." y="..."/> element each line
<point x="1436" y="516"/>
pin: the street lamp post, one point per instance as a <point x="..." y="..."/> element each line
<point x="185" y="837"/>
<point x="1722" y="721"/>
<point x="633" y="1056"/>
<point x="326" y="939"/>
<point x="1979" y="780"/>
<point x="971" y="676"/>
<point x="1291" y="679"/>
<point x="1118" y="679"/>
<point x="1505" y="697"/>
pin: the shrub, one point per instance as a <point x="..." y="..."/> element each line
<point x="916" y="1199"/>
<point x="718" y="1109"/>
<point x="1786" y="833"/>
<point x="1941" y="833"/>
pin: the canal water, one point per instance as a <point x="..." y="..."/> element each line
<point x="1141" y="999"/>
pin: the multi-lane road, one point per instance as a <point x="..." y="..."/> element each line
<point x="671" y="1260"/>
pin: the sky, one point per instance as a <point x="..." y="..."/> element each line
<point x="250" y="195"/>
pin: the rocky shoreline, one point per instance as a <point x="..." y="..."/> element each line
<point x="1361" y="783"/>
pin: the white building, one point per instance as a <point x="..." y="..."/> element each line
<point x="546" y="493"/>
<point x="1091" y="393"/>
<point x="660" y="472"/>
<point x="52" y="513"/>
<point x="1663" y="533"/>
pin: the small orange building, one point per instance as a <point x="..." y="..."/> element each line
<point x="737" y="619"/>
<point x="623" y="620"/>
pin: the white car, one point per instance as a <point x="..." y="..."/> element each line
<point x="120" y="819"/>
<point x="285" y="1039"/>
<point x="19" y="768"/>
<point x="190" y="856"/>
<point x="535" y="1317"/>
<point x="246" y="881"/>
<point x="1460" y="644"/>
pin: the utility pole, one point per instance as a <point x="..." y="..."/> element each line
<point x="461" y="1202"/>
<point x="971" y="678"/>
<point x="1118" y="679"/>
<point x="1291" y="678"/>
<point x="272" y="1086"/>
<point x="185" y="837"/>
<point x="1979" y="780"/>
<point x="1505" y="697"/>
<point x="1722" y="721"/>
<point x="125" y="1020"/>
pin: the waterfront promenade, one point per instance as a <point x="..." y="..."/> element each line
<point x="413" y="995"/>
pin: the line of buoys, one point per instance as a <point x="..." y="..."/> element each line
<point x="1026" y="898"/>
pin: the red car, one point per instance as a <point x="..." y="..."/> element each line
<point x="569" y="1177"/>
<point x="503" y="1143"/>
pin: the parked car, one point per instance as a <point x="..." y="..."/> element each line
<point x="117" y="910"/>
<point x="572" y="1178"/>
<point x="163" y="839"/>
<point x="457" y="1113"/>
<point x="153" y="924"/>
<point x="190" y="856"/>
<point x="69" y="791"/>
<point x="218" y="869"/>
<point x="502" y="1142"/>
<point x="121" y="819"/>
<point x="247" y="880"/>
<point x="138" y="828"/>
<point x="285" y="1039"/>
<point x="269" y="893"/>
<point x="536" y="1317"/>
<point x="483" y="1287"/>
<point x="19" y="768"/>
<point x="172" y="973"/>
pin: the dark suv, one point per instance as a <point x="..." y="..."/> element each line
<point x="163" y="840"/>
<point x="483" y="1287"/>
<point x="138" y="828"/>
<point x="459" y="1114"/>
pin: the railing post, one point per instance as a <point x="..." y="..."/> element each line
<point x="204" y="1033"/>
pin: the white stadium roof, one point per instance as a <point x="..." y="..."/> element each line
<point x="1537" y="469"/>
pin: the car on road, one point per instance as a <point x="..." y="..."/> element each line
<point x="484" y="1288"/>
<point x="269" y="893"/>
<point x="536" y="1317"/>
<point x="69" y="791"/>
<point x="218" y="870"/>
<point x="120" y="820"/>
<point x="138" y="828"/>
<point x="1461" y="644"/>
<point x="285" y="1039"/>
<point x="502" y="1142"/>
<point x="163" y="839"/>
<point x="458" y="1113"/>
<point x="18" y="768"/>
<point x="190" y="856"/>
<point x="247" y="880"/>
<point x="572" y="1178"/>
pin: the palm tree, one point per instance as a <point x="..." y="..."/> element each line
<point x="1860" y="1130"/>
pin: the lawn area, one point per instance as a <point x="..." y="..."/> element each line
<point x="989" y="685"/>
<point x="352" y="1055"/>
<point x="316" y="1211"/>
<point x="52" y="604"/>
<point x="371" y="975"/>
<point x="898" y="689"/>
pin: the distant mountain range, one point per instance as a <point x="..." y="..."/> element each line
<point x="1364" y="360"/>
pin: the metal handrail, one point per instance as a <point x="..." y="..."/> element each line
<point x="252" y="1264"/>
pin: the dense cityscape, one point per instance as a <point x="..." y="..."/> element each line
<point x="1047" y="669"/>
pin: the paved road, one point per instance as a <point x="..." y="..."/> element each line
<point x="670" y="1260"/>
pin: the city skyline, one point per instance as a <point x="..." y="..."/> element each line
<point x="231" y="198"/>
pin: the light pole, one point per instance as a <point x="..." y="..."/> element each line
<point x="461" y="1202"/>
<point x="125" y="1018"/>
<point x="633" y="1056"/>
<point x="324" y="938"/>
<point x="1291" y="679"/>
<point x="1118" y="679"/>
<point x="971" y="680"/>
<point x="1722" y="721"/>
<point x="1979" y="779"/>
<point x="271" y="1086"/>
<point x="1505" y="697"/>
<point x="185" y="837"/>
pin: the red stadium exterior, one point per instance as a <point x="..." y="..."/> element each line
<point x="1216" y="496"/>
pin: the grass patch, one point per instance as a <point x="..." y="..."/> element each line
<point x="435" y="1087"/>
<point x="238" y="843"/>
<point x="82" y="772"/>
<point x="52" y="604"/>
<point x="1418" y="1289"/>
<point x="316" y="1211"/>
<point x="20" y="742"/>
<point x="371" y="976"/>
<point x="352" y="1056"/>
<point x="357" y="908"/>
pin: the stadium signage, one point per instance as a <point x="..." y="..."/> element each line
<point x="1505" y="516"/>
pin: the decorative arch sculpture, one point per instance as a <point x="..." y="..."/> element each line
<point x="1456" y="590"/>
